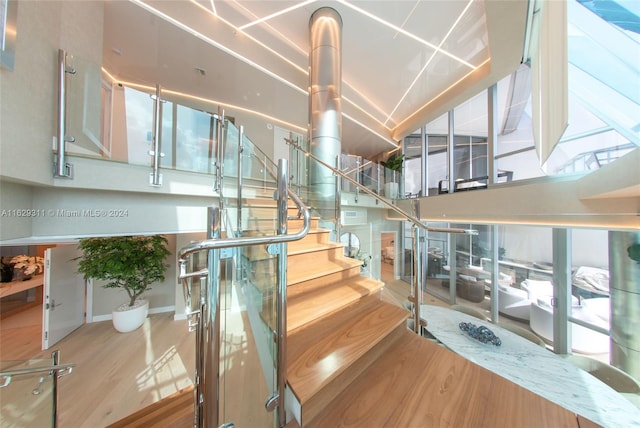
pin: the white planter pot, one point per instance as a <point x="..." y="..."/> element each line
<point x="128" y="318"/>
<point x="391" y="190"/>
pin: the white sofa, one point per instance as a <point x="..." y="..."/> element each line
<point x="516" y="302"/>
<point x="583" y="340"/>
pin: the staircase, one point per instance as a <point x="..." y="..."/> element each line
<point x="352" y="362"/>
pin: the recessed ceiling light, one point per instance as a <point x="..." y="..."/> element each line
<point x="201" y="71"/>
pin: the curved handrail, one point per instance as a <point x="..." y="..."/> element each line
<point x="416" y="222"/>
<point x="212" y="244"/>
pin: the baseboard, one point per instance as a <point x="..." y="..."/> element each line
<point x="160" y="310"/>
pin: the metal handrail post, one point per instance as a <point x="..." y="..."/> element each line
<point x="338" y="200"/>
<point x="62" y="169"/>
<point x="417" y="280"/>
<point x="219" y="154"/>
<point x="239" y="200"/>
<point x="157" y="128"/>
<point x="282" y="290"/>
<point x="55" y="357"/>
<point x="210" y="399"/>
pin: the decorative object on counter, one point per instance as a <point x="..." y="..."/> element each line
<point x="480" y="333"/>
<point x="131" y="263"/>
<point x="24" y="267"/>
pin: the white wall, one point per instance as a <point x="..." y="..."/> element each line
<point x="162" y="296"/>
<point x="590" y="247"/>
<point x="29" y="96"/>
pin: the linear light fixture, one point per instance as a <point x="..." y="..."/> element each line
<point x="224" y="48"/>
<point x="487" y="61"/>
<point x="274" y="30"/>
<point x="385" y="138"/>
<point x="273" y="15"/>
<point x="348" y="100"/>
<point x="213" y="8"/>
<point x="419" y="75"/>
<point x="406" y="33"/>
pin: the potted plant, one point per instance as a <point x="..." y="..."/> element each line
<point x="131" y="263"/>
<point x="394" y="164"/>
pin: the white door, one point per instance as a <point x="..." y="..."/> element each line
<point x="64" y="294"/>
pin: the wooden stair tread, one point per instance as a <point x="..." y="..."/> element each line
<point x="322" y="350"/>
<point x="306" y="305"/>
<point x="297" y="274"/>
<point x="418" y="383"/>
<point x="175" y="411"/>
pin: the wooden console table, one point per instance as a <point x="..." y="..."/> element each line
<point x="14" y="287"/>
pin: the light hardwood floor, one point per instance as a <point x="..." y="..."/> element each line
<point x="118" y="374"/>
<point x="115" y="374"/>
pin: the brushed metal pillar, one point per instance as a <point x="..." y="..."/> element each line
<point x="325" y="102"/>
<point x="624" y="287"/>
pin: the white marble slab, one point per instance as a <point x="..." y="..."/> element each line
<point x="534" y="368"/>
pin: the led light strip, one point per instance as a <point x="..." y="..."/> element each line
<point x="419" y="75"/>
<point x="385" y="138"/>
<point x="487" y="61"/>
<point x="273" y="15"/>
<point x="406" y="33"/>
<point x="150" y="89"/>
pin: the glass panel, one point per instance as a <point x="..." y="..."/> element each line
<point x="437" y="250"/>
<point x="249" y="306"/>
<point x="195" y="137"/>
<point x="87" y="94"/>
<point x="248" y="352"/>
<point x="437" y="162"/>
<point x="590" y="291"/>
<point x="27" y="400"/>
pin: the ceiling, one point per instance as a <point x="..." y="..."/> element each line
<point x="403" y="62"/>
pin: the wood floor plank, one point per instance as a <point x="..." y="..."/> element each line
<point x="420" y="384"/>
<point x="322" y="350"/>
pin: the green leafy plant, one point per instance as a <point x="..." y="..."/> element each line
<point x="634" y="252"/>
<point x="132" y="263"/>
<point x="394" y="163"/>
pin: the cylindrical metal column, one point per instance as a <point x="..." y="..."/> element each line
<point x="325" y="101"/>
<point x="624" y="287"/>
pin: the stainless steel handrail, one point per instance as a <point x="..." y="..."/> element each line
<point x="209" y="325"/>
<point x="212" y="244"/>
<point x="391" y="206"/>
<point x="62" y="369"/>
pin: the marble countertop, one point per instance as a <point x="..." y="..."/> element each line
<point x="534" y="368"/>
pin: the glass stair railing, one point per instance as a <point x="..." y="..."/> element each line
<point x="235" y="284"/>
<point x="29" y="391"/>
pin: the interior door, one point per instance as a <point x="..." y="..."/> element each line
<point x="64" y="294"/>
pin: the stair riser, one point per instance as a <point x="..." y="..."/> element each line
<point x="325" y="279"/>
<point x="296" y="224"/>
<point x="316" y="238"/>
<point x="263" y="276"/>
<point x="306" y="261"/>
